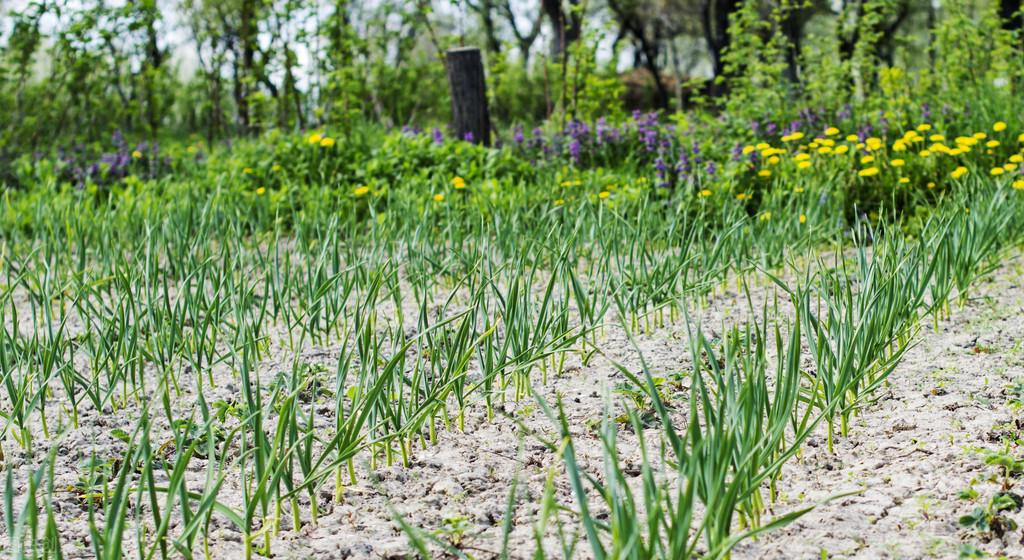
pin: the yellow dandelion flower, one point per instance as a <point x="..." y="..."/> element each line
<point x="1018" y="184"/>
<point x="765" y="216"/>
<point x="261" y="190"/>
<point x="458" y="182"/>
<point x="924" y="127"/>
<point x="852" y="138"/>
<point x="958" y="172"/>
<point x="992" y="143"/>
<point x="704" y="193"/>
<point x="763" y="146"/>
<point x="1017" y="158"/>
<point x="868" y="172"/>
<point x="931" y="184"/>
<point x="314" y="138"/>
<point x="904" y="180"/>
<point x="937" y="138"/>
<point x="747" y="150"/>
<point x="924" y="153"/>
<point x="741" y="196"/>
<point x="980" y="135"/>
<point x="831" y="131"/>
<point x="136" y="154"/>
<point x="999" y="126"/>
<point x="1010" y="166"/>
<point x="996" y="171"/>
<point x="803" y="164"/>
<point x="764" y="173"/>
<point x="803" y="219"/>
<point x="327" y="142"/>
<point x="439" y="197"/>
<point x="360" y="191"/>
<point x="841" y="149"/>
<point x="897" y="163"/>
<point x="867" y="159"/>
<point x="606" y="194"/>
<point x="825" y="149"/>
<point x="559" y="201"/>
<point x="802" y="157"/>
<point x="774" y="160"/>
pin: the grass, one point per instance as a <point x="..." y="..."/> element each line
<point x="263" y="356"/>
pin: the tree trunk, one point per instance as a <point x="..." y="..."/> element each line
<point x="293" y="90"/>
<point x="156" y="58"/>
<point x="1009" y="13"/>
<point x="247" y="38"/>
<point x="523" y="40"/>
<point x="486" y="12"/>
<point x="565" y="28"/>
<point x="715" y="22"/>
<point x="470" y="117"/>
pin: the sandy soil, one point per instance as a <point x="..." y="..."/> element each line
<point x="909" y="455"/>
<point x="923" y="442"/>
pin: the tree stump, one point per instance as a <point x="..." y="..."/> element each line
<point x="471" y="120"/>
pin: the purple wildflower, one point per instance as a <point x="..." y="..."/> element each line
<point x="683" y="165"/>
<point x="650" y="138"/>
<point x="574" y="150"/>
